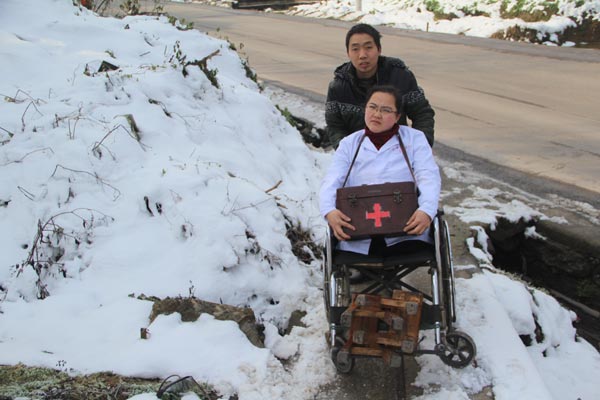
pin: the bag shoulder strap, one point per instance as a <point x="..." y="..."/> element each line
<point x="353" y="159"/>
<point x="407" y="160"/>
<point x="403" y="153"/>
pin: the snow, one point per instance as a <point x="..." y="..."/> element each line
<point x="195" y="202"/>
<point x="469" y="17"/>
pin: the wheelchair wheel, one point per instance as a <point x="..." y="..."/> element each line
<point x="447" y="275"/>
<point x="343" y="361"/>
<point x="326" y="294"/>
<point x="327" y="272"/>
<point x="459" y="350"/>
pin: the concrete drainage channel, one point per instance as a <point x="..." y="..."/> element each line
<point x="566" y="263"/>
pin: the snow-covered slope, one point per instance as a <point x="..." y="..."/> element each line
<point x="176" y="205"/>
<point x="141" y="180"/>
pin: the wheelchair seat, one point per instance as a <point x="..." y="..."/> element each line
<point x="417" y="258"/>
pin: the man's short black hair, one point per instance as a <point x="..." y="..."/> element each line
<point x="364" y="28"/>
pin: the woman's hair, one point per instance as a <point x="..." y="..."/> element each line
<point x="389" y="89"/>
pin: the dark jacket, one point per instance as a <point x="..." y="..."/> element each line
<point x="345" y="108"/>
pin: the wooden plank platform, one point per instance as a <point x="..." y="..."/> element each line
<point x="382" y="326"/>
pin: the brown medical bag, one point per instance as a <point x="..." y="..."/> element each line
<point x="377" y="210"/>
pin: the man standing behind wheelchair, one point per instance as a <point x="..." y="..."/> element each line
<point x="380" y="159"/>
<point x="346" y="95"/>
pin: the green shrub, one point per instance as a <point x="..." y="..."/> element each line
<point x="438" y="10"/>
<point x="528" y="10"/>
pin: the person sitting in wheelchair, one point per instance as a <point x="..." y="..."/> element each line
<point x="374" y="156"/>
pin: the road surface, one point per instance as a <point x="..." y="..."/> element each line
<point x="527" y="107"/>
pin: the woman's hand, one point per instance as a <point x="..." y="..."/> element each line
<point x="338" y="220"/>
<point x="417" y="223"/>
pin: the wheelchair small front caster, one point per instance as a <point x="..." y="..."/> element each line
<point x="458" y="351"/>
<point x="342" y="359"/>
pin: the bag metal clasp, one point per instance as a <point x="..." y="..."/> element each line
<point x="352" y="199"/>
<point x="397" y="196"/>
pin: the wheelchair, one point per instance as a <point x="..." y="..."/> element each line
<point x="385" y="275"/>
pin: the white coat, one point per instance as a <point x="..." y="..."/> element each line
<point x="387" y="164"/>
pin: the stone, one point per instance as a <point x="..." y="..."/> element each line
<point x="295" y="320"/>
<point x="190" y="309"/>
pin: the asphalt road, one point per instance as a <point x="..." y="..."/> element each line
<point x="527" y="107"/>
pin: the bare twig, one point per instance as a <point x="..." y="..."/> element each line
<point x="25" y="112"/>
<point x="274" y="187"/>
<point x="74" y="75"/>
<point x="51" y="222"/>
<point x="107" y="135"/>
<point x="211" y="74"/>
<point x="15" y="99"/>
<point x="37" y="257"/>
<point x="72" y="132"/>
<point x="11" y="99"/>
<point x="94" y="175"/>
<point x="25" y="156"/>
<point x="135" y="131"/>
<point x="164" y="108"/>
<point x="228" y="201"/>
<point x="77" y="118"/>
<point x="10" y="134"/>
<point x="95" y="148"/>
<point x="27" y="194"/>
<point x="233" y="210"/>
<point x="147" y="203"/>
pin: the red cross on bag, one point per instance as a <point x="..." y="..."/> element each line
<point x="377" y="215"/>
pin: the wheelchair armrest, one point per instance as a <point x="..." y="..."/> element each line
<point x="331" y="237"/>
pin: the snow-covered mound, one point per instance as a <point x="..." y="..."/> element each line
<point x="142" y="180"/>
<point x="136" y="159"/>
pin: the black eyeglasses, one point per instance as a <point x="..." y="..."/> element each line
<point x="382" y="109"/>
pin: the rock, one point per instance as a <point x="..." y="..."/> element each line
<point x="295" y="320"/>
<point x="190" y="309"/>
